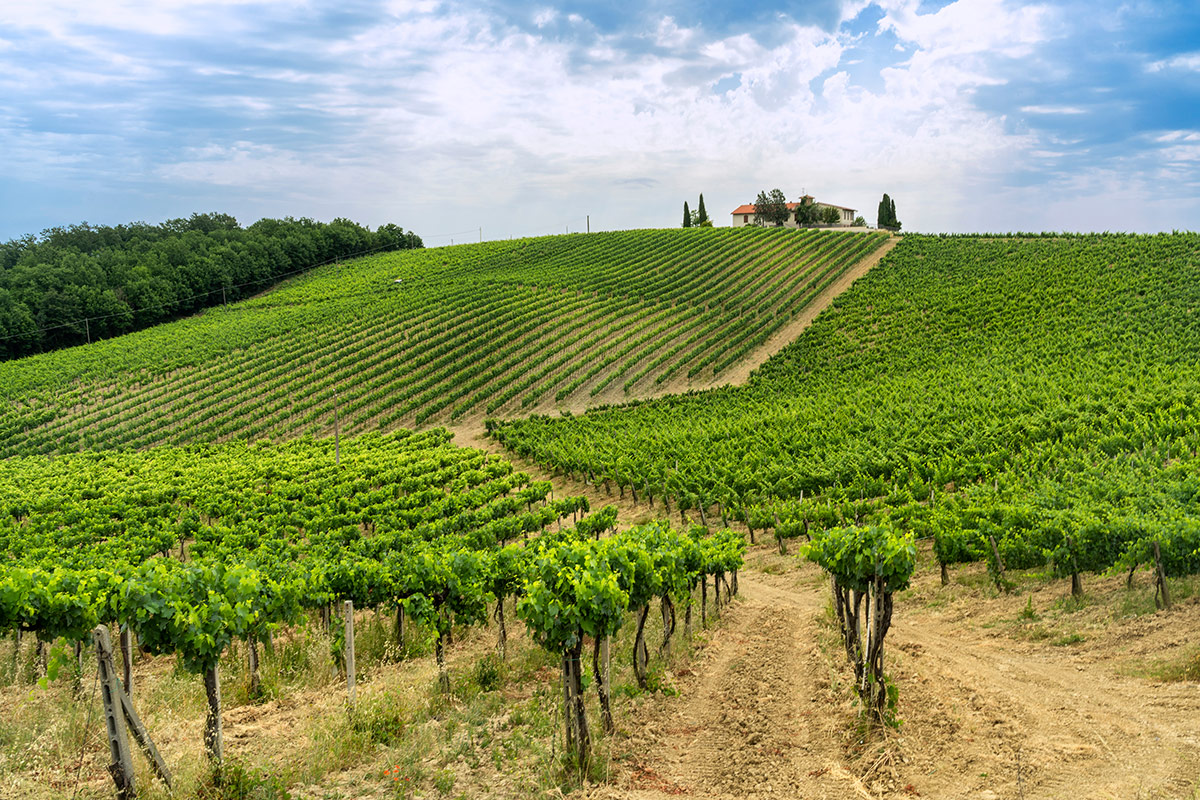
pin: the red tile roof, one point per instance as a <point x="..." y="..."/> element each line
<point x="749" y="208"/>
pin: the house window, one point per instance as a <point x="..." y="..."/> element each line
<point x="745" y="218"/>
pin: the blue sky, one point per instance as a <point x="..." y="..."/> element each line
<point x="526" y="118"/>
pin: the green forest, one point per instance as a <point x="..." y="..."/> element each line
<point x="80" y="283"/>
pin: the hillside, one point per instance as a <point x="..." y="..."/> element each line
<point x="422" y="337"/>
<point x="83" y="283"/>
<point x="1042" y="390"/>
<point x="1038" y="391"/>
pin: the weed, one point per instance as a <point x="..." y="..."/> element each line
<point x="1135" y="603"/>
<point x="239" y="783"/>
<point x="1185" y="668"/>
<point x="488" y="673"/>
<point x="381" y="719"/>
<point x="1028" y="613"/>
<point x="1034" y="633"/>
<point x="1071" y="603"/>
<point x="1069" y="639"/>
<point x="443" y="781"/>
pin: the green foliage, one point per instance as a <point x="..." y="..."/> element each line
<point x="382" y="719"/>
<point x="702" y="219"/>
<point x="488" y="673"/>
<point x="770" y="208"/>
<point x="631" y="308"/>
<point x="268" y="531"/>
<point x="807" y="212"/>
<point x="831" y="215"/>
<point x="1037" y="390"/>
<point x="886" y="216"/>
<point x="857" y="556"/>
<point x="1028" y="614"/>
<point x="574" y="589"/>
<point x="239" y="782"/>
<point x="129" y="277"/>
<point x="197" y="609"/>
<point x="687" y="215"/>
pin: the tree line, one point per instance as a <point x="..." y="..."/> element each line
<point x="71" y="285"/>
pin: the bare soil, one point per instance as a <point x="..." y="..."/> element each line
<point x="986" y="712"/>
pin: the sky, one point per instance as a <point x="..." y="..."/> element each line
<point x="495" y="119"/>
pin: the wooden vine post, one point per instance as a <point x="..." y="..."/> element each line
<point x="118" y="713"/>
<point x="998" y="575"/>
<point x="1160" y="579"/>
<point x="127" y="658"/>
<point x="121" y="766"/>
<point x="348" y="613"/>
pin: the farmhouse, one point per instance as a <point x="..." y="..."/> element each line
<point x="744" y="215"/>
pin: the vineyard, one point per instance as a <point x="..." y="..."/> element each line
<point x="244" y="497"/>
<point x="187" y="550"/>
<point x="420" y="337"/>
<point x="1026" y="401"/>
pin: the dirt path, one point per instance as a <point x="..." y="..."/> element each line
<point x="752" y="721"/>
<point x="740" y="372"/>
<point x="766" y="713"/>
<point x="990" y="714"/>
<point x="580" y="400"/>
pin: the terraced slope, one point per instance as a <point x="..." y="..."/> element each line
<point x="431" y="336"/>
<point x="1046" y="388"/>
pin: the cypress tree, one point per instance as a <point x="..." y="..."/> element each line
<point x="895" y="223"/>
<point x="703" y="215"/>
<point x="687" y="217"/>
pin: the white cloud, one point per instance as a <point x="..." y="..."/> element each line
<point x="1188" y="62"/>
<point x="440" y="117"/>
<point x="968" y="26"/>
<point x="1049" y="109"/>
<point x="157" y="17"/>
<point x="514" y="130"/>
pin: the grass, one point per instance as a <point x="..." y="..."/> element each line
<point x="498" y="733"/>
<point x="1183" y="667"/>
<point x="1138" y="600"/>
<point x="1069" y="639"/>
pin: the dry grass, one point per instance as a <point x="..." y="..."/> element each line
<point x="496" y="735"/>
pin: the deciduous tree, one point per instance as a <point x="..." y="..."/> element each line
<point x="806" y="212"/>
<point x="770" y="208"/>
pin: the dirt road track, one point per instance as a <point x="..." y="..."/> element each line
<point x="766" y="715"/>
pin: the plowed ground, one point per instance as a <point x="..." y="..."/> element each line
<point x="994" y="703"/>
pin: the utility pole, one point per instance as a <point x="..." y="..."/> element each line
<point x="87" y="326"/>
<point x="481" y="234"/>
<point x="589" y="223"/>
